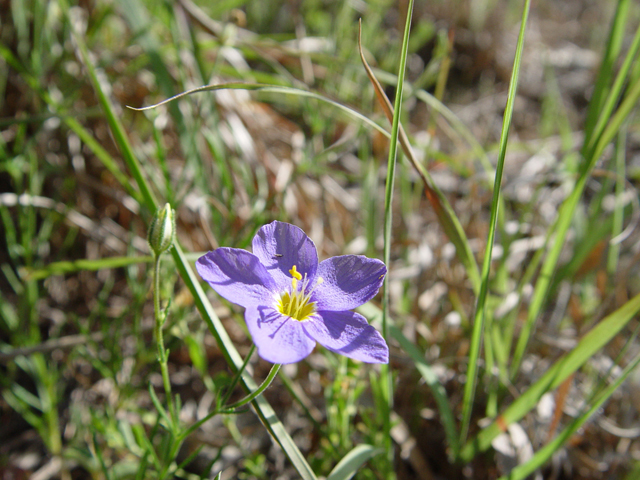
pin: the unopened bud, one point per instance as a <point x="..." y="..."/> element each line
<point x="162" y="230"/>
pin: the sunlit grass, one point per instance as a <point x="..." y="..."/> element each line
<point x="292" y="125"/>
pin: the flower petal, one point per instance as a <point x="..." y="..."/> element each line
<point x="348" y="281"/>
<point x="280" y="246"/>
<point x="237" y="275"/>
<point x="348" y="334"/>
<point x="279" y="338"/>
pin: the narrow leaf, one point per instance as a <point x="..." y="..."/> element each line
<point x="478" y="322"/>
<point x="352" y="461"/>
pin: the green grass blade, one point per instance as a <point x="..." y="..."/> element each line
<point x="36" y="421"/>
<point x="258" y="391"/>
<point x="65" y="267"/>
<point x="387" y="379"/>
<point x="74" y="266"/>
<point x="628" y="104"/>
<point x="565" y="216"/>
<point x="352" y="461"/>
<point x="543" y="455"/>
<point x="263" y="408"/>
<point x="260" y="87"/>
<point x="599" y="230"/>
<point x="618" y="212"/>
<point x="102" y="155"/>
<point x="612" y="99"/>
<point x="478" y="323"/>
<point x="593" y="341"/>
<point x="98" y="453"/>
<point x="605" y="73"/>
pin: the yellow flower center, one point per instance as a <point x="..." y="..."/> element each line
<point x="297" y="303"/>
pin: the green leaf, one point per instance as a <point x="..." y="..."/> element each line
<point x="258" y="391"/>
<point x="64" y="267"/>
<point x="386" y="400"/>
<point x="479" y="318"/>
<point x="27" y="397"/>
<point x="159" y="407"/>
<point x="352" y="461"/>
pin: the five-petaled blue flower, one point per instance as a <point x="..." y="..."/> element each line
<point x="291" y="301"/>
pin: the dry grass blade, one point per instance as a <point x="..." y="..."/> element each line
<point x="438" y="201"/>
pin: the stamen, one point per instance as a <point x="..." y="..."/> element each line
<point x="295" y="273"/>
<point x="297" y="303"/>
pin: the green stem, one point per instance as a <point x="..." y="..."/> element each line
<point x="230" y="408"/>
<point x="237" y="376"/>
<point x="162" y="352"/>
<point x="618" y="213"/>
<point x="257" y="391"/>
<point x="385" y="371"/>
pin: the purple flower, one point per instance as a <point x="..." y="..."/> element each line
<point x="291" y="301"/>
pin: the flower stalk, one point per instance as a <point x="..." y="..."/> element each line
<point x="160" y="316"/>
<point x="160" y="238"/>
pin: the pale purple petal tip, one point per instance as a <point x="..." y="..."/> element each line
<point x="280" y="246"/>
<point x="279" y="338"/>
<point x="349" y="334"/>
<point x="348" y="281"/>
<point x="237" y="275"/>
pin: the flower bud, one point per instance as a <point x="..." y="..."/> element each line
<point x="162" y="230"/>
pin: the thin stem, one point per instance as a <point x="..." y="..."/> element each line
<point x="387" y="378"/>
<point x="237" y="376"/>
<point x="162" y="353"/>
<point x="257" y="391"/>
<point x="618" y="213"/>
<point x="240" y="403"/>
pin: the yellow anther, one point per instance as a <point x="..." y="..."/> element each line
<point x="295" y="273"/>
<point x="296" y="302"/>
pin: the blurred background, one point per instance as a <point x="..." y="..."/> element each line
<point x="76" y="317"/>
